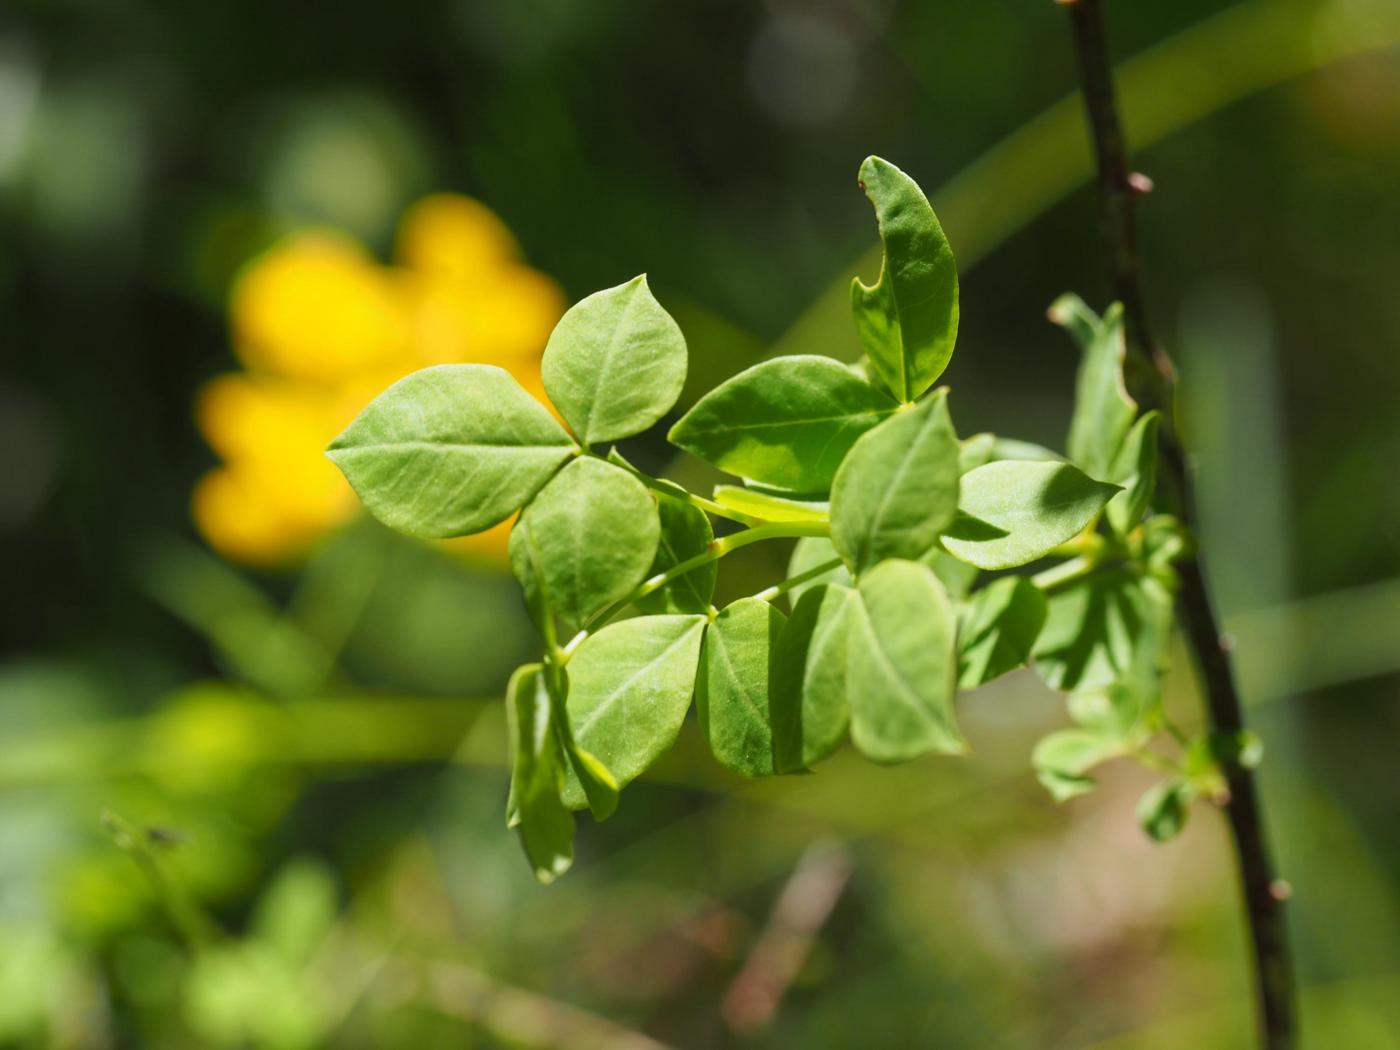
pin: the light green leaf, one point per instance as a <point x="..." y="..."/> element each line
<point x="629" y="689"/>
<point x="587" y="774"/>
<point x="769" y="507"/>
<point x="787" y="422"/>
<point x="731" y="694"/>
<point x="1163" y="809"/>
<point x="1135" y="468"/>
<point x="1013" y="512"/>
<point x="685" y="532"/>
<point x="1103" y="411"/>
<point x="975" y="451"/>
<point x="450" y="450"/>
<point x="615" y="363"/>
<point x="809" y="710"/>
<point x="585" y="541"/>
<point x="998" y="627"/>
<point x="897" y="490"/>
<point x="901" y="664"/>
<point x="808" y="553"/>
<point x="1063" y="759"/>
<point x="907" y="321"/>
<point x="1109" y="628"/>
<point x="545" y="825"/>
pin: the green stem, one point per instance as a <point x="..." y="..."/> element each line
<point x="1057" y="577"/>
<point x="680" y="492"/>
<point x="798" y="580"/>
<point x="713" y="552"/>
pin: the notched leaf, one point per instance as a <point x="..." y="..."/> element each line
<point x="908" y="320"/>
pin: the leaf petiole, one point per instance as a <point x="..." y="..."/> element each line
<point x="797" y="581"/>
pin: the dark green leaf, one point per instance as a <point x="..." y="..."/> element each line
<point x="1163" y="810"/>
<point x="787" y="422"/>
<point x="901" y="664"/>
<point x="1135" y="468"/>
<point x="731" y="694"/>
<point x="585" y="541"/>
<point x="897" y="490"/>
<point x="1063" y="759"/>
<point x="545" y="825"/>
<point x="907" y="321"/>
<point x="629" y="689"/>
<point x="997" y="630"/>
<point x="1103" y="411"/>
<point x="685" y="533"/>
<point x="808" y="694"/>
<point x="615" y="363"/>
<point x="450" y="450"/>
<point x="1013" y="512"/>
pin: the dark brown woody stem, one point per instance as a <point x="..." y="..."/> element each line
<point x="1151" y="380"/>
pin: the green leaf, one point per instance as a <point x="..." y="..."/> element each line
<point x="787" y="422"/>
<point x="629" y="689"/>
<point x="808" y="553"/>
<point x="901" y="664"/>
<point x="1106" y="629"/>
<point x="585" y="541"/>
<point x="615" y="363"/>
<point x="450" y="450"/>
<point x="975" y="451"/>
<point x="897" y="490"/>
<point x="545" y="825"/>
<point x="1013" y="512"/>
<point x="769" y="507"/>
<point x="1063" y="759"/>
<point x="907" y="321"/>
<point x="731" y="693"/>
<point x="587" y="774"/>
<point x="957" y="576"/>
<point x="685" y="533"/>
<point x="809" y="711"/>
<point x="1135" y="468"/>
<point x="1103" y="411"/>
<point x="1163" y="809"/>
<point x="997" y="629"/>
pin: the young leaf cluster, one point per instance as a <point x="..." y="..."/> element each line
<point x="903" y="586"/>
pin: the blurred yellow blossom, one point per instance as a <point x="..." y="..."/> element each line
<point x="321" y="327"/>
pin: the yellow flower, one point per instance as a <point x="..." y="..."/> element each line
<point x="321" y="327"/>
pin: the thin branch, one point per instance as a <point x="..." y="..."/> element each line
<point x="1151" y="380"/>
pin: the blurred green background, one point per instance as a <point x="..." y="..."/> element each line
<point x="262" y="804"/>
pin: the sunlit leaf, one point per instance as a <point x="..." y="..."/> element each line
<point x="736" y="674"/>
<point x="908" y="320"/>
<point x="615" y="363"/>
<point x="1135" y="468"/>
<point x="1063" y="759"/>
<point x="1013" y="512"/>
<point x="902" y="664"/>
<point x="787" y="422"/>
<point x="897" y="490"/>
<point x="450" y="450"/>
<point x="768" y="507"/>
<point x="629" y="689"/>
<point x="1105" y="629"/>
<point x="1103" y="411"/>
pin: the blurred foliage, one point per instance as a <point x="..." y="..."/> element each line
<point x="294" y="753"/>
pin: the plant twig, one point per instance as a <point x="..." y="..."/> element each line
<point x="1151" y="380"/>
